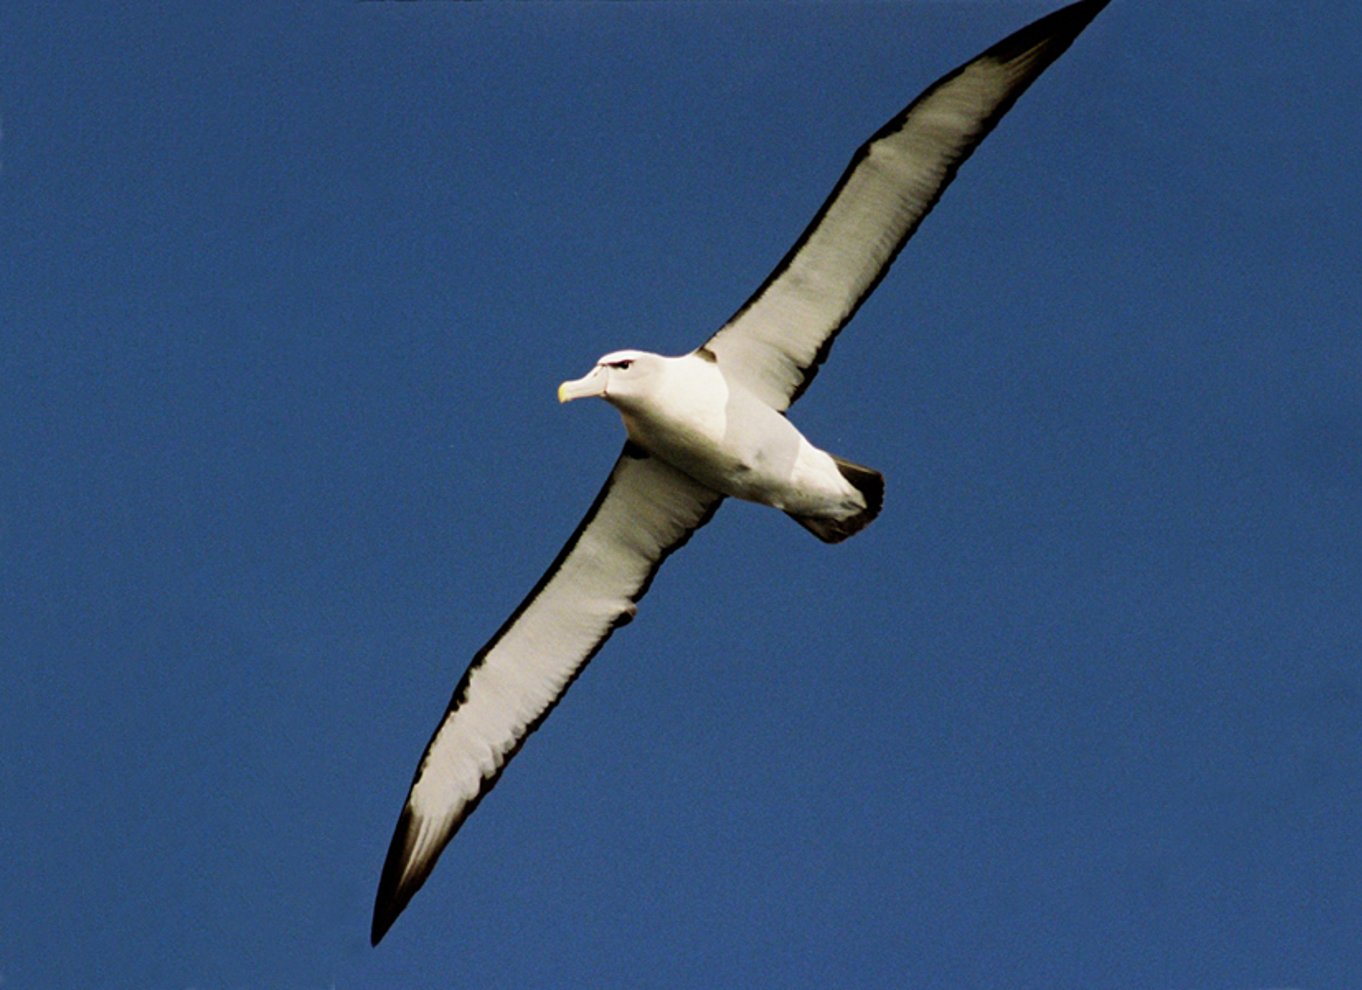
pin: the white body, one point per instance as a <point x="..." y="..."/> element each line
<point x="687" y="412"/>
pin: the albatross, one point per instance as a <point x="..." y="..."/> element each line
<point x="705" y="426"/>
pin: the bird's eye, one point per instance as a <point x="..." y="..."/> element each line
<point x="623" y="365"/>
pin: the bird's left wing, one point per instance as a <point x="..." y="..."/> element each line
<point x="646" y="510"/>
<point x="776" y="342"/>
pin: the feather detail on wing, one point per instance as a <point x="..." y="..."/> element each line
<point x="646" y="511"/>
<point x="777" y="340"/>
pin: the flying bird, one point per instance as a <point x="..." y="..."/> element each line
<point x="708" y="425"/>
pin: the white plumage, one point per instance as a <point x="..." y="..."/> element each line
<point x="693" y="414"/>
<point x="707" y="425"/>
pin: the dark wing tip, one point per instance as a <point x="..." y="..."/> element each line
<point x="401" y="878"/>
<point x="1061" y="27"/>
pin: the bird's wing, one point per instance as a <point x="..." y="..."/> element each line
<point x="776" y="341"/>
<point x="646" y="510"/>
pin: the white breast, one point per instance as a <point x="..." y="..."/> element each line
<point x="726" y="438"/>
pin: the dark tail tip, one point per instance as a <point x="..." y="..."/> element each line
<point x="867" y="481"/>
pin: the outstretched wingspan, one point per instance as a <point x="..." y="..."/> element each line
<point x="777" y="340"/>
<point x="646" y="511"/>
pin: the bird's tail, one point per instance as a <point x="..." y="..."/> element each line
<point x="867" y="481"/>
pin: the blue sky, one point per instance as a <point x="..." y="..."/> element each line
<point x="285" y="293"/>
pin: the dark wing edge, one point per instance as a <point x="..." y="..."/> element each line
<point x="421" y="835"/>
<point x="754" y="334"/>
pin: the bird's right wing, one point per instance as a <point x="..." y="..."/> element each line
<point x="776" y="341"/>
<point x="646" y="510"/>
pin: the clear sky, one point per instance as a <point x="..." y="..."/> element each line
<point x="285" y="293"/>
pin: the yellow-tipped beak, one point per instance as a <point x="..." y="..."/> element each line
<point x="582" y="388"/>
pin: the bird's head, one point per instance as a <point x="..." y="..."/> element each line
<point x="618" y="375"/>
